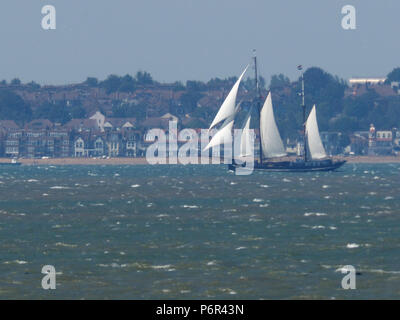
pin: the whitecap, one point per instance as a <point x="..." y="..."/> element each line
<point x="157" y="267"/>
<point x="61" y="244"/>
<point x="318" y="214"/>
<point x="135" y="185"/>
<point x="344" y="269"/>
<point x="189" y="206"/>
<point x="383" y="271"/>
<point x="16" y="261"/>
<point x="352" y="245"/>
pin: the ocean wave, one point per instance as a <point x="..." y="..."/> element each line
<point x="62" y="244"/>
<point x="352" y="245"/>
<point x="318" y="214"/>
<point x="15" y="262"/>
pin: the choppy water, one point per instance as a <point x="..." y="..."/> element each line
<point x="182" y="232"/>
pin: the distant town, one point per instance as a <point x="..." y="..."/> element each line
<point x="110" y="118"/>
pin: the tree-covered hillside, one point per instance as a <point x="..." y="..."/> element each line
<point x="339" y="108"/>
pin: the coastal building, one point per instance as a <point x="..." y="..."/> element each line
<point x="10" y="138"/>
<point x="79" y="147"/>
<point x="371" y="81"/>
<point x="380" y="142"/>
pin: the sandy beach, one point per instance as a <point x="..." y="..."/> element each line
<point x="141" y="161"/>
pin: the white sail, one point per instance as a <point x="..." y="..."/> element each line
<point x="228" y="106"/>
<point x="272" y="145"/>
<point x="315" y="146"/>
<point x="245" y="139"/>
<point x="224" y="135"/>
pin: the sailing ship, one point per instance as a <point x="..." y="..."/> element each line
<point x="272" y="151"/>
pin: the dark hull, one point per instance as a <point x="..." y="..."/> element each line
<point x="296" y="166"/>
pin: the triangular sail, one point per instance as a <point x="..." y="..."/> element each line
<point x="272" y="145"/>
<point x="228" y="106"/>
<point x="224" y="135"/>
<point x="245" y="139"/>
<point x="315" y="145"/>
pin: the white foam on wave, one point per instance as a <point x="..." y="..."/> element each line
<point x="59" y="187"/>
<point x="352" y="245"/>
<point x="318" y="214"/>
<point x="62" y="244"/>
<point x="135" y="186"/>
<point x="344" y="269"/>
<point x="15" y="262"/>
<point x="158" y="267"/>
<point x="383" y="271"/>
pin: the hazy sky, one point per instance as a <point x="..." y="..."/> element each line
<point x="195" y="39"/>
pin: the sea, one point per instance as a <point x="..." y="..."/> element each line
<point x="199" y="232"/>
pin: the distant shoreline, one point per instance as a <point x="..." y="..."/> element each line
<point x="143" y="161"/>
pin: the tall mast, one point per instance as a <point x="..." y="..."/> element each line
<point x="303" y="105"/>
<point x="258" y="99"/>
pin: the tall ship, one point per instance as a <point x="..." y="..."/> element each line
<point x="272" y="155"/>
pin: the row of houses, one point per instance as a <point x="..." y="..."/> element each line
<point x="93" y="137"/>
<point x="99" y="136"/>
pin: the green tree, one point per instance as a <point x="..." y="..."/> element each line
<point x="189" y="100"/>
<point x="394" y="75"/>
<point x="144" y="78"/>
<point x="127" y="84"/>
<point x="55" y="112"/>
<point x="278" y="82"/>
<point x="13" y="107"/>
<point x="92" y="82"/>
<point x="112" y="83"/>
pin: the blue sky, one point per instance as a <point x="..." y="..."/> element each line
<point x="195" y="39"/>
